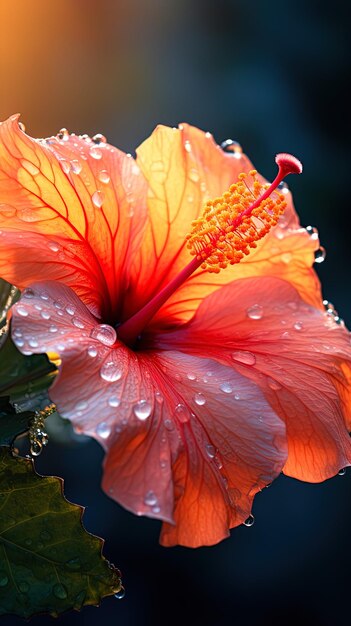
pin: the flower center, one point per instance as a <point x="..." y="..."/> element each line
<point x="223" y="235"/>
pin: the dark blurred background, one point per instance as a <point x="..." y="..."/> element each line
<point x="272" y="75"/>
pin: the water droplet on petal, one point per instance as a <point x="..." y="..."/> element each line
<point x="182" y="413"/>
<point x="105" y="334"/>
<point x="99" y="138"/>
<point x="98" y="199"/>
<point x="255" y="312"/>
<point x="249" y="521"/>
<point x="233" y="147"/>
<point x="33" y="343"/>
<point x="194" y="175"/>
<point x="169" y="425"/>
<point x="273" y="384"/>
<point x="70" y="309"/>
<point x="342" y="472"/>
<point x="320" y="255"/>
<point x="81" y="405"/>
<point x="191" y="376"/>
<point x="30" y="167"/>
<point x="113" y="401"/>
<point x="298" y="326"/>
<point x="92" y="351"/>
<point x="63" y="134"/>
<point x="21" y="310"/>
<point x="121" y="593"/>
<point x="28" y="293"/>
<point x="59" y="591"/>
<point x="111" y="371"/>
<point x="53" y="246"/>
<point x="226" y="387"/>
<point x="77" y="322"/>
<point x="313" y="232"/>
<point x="104" y="177"/>
<point x="53" y="328"/>
<point x="210" y="450"/>
<point x="45" y="315"/>
<point x="200" y="399"/>
<point x="95" y="153"/>
<point x="286" y="257"/>
<point x="76" y="166"/>
<point x="283" y="187"/>
<point x="142" y="409"/>
<point x="150" y="498"/>
<point x="103" y="430"/>
<point x="242" y="356"/>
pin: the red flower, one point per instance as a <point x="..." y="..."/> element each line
<point x="215" y="382"/>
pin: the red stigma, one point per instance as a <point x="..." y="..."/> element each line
<point x="288" y="164"/>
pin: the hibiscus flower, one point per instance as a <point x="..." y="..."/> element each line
<point x="178" y="290"/>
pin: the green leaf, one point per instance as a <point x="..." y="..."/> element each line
<point x="12" y="423"/>
<point x="23" y="376"/>
<point x="48" y="561"/>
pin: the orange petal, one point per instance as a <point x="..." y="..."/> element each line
<point x="184" y="168"/>
<point x="188" y="440"/>
<point x="295" y="353"/>
<point x="66" y="213"/>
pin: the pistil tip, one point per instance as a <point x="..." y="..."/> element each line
<point x="288" y="164"/>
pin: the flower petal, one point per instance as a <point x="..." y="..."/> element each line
<point x="188" y="440"/>
<point x="184" y="168"/>
<point x="294" y="352"/>
<point x="67" y="210"/>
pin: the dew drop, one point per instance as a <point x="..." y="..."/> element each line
<point x="95" y="153"/>
<point x="255" y="312"/>
<point x="312" y="232"/>
<point x="76" y="166"/>
<point x="200" y="399"/>
<point x="142" y="409"/>
<point x="30" y="167"/>
<point x="19" y="342"/>
<point x="150" y="498"/>
<point x="53" y="328"/>
<point x="342" y="472"/>
<point x="21" y="310"/>
<point x="59" y="304"/>
<point x="283" y="187"/>
<point x="232" y="147"/>
<point x="45" y="315"/>
<point x="286" y="257"/>
<point x="105" y="334"/>
<point x="77" y="322"/>
<point x="182" y="413"/>
<point x="273" y="384"/>
<point x="63" y="134"/>
<point x="210" y="450"/>
<point x="113" y="401"/>
<point x="53" y="246"/>
<point x="81" y="405"/>
<point x="298" y="326"/>
<point x="104" y="177"/>
<point x="44" y="296"/>
<point x="226" y="387"/>
<point x="194" y="175"/>
<point x="121" y="593"/>
<point x="103" y="430"/>
<point x="98" y="199"/>
<point x="242" y="356"/>
<point x="249" y="521"/>
<point x="3" y="579"/>
<point x="59" y="591"/>
<point x="111" y="372"/>
<point x="169" y="424"/>
<point x="92" y="351"/>
<point x="99" y="138"/>
<point x="33" y="343"/>
<point x="73" y="564"/>
<point x="191" y="376"/>
<point x="28" y="293"/>
<point x="320" y="255"/>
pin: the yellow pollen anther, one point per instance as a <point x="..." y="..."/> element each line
<point x="232" y="224"/>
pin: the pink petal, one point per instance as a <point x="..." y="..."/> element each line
<point x="188" y="440"/>
<point x="294" y="352"/>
